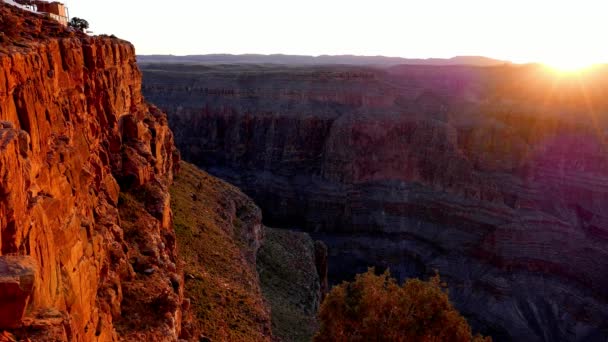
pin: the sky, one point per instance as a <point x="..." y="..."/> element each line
<point x="549" y="31"/>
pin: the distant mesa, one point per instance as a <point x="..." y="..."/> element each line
<point x="316" y="60"/>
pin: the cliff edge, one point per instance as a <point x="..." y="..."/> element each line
<point x="77" y="141"/>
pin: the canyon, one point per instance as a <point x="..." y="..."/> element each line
<point x="496" y="177"/>
<point x="105" y="235"/>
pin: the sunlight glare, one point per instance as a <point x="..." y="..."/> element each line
<point x="570" y="64"/>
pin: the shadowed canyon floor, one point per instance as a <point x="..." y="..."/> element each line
<point x="496" y="177"/>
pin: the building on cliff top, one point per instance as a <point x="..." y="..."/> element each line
<point x="54" y="10"/>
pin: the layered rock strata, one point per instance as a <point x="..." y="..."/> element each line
<point x="496" y="177"/>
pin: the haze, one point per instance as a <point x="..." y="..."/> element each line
<point x="520" y="31"/>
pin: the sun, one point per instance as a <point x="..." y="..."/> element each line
<point x="570" y="64"/>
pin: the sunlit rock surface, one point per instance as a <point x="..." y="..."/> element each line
<point x="75" y="137"/>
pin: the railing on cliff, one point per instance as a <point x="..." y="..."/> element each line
<point x="30" y="8"/>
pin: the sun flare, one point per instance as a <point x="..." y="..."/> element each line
<point x="570" y="64"/>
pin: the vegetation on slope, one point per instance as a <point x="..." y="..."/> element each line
<point x="286" y="265"/>
<point x="211" y="220"/>
<point x="214" y="222"/>
<point x="376" y="308"/>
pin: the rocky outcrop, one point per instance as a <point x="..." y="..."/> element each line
<point x="76" y="137"/>
<point x="496" y="177"/>
<point x="16" y="285"/>
<point x="290" y="282"/>
<point x="219" y="231"/>
<point x="321" y="266"/>
<point x="244" y="281"/>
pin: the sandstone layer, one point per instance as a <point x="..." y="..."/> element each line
<point x="496" y="177"/>
<point x="76" y="141"/>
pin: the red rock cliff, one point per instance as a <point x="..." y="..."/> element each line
<point x="75" y="138"/>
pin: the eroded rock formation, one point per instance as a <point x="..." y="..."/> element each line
<point x="222" y="242"/>
<point x="17" y="275"/>
<point x="290" y="282"/>
<point x="219" y="231"/>
<point x="496" y="177"/>
<point x="76" y="137"/>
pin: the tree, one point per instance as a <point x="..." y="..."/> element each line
<point x="79" y="24"/>
<point x="376" y="308"/>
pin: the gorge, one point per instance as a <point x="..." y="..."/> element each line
<point x="105" y="235"/>
<point x="495" y="177"/>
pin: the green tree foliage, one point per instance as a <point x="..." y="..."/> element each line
<point x="79" y="24"/>
<point x="376" y="308"/>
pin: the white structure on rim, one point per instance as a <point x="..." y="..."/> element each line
<point x="54" y="10"/>
<point x="31" y="8"/>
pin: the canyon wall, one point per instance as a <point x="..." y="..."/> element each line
<point x="291" y="268"/>
<point x="219" y="232"/>
<point x="496" y="177"/>
<point x="222" y="242"/>
<point x="77" y="141"/>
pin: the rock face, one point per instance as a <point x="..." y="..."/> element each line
<point x="290" y="282"/>
<point x="496" y="177"/>
<point x="219" y="231"/>
<point x="16" y="285"/>
<point x="76" y="136"/>
<point x="244" y="281"/>
<point x="321" y="267"/>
